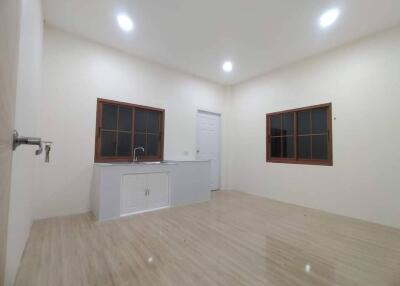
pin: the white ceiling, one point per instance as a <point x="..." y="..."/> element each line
<point x="196" y="36"/>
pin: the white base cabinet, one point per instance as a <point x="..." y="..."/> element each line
<point x="123" y="189"/>
<point x="144" y="192"/>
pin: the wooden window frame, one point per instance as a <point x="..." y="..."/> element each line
<point x="115" y="159"/>
<point x="295" y="160"/>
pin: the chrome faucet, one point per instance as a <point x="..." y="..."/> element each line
<point x="134" y="153"/>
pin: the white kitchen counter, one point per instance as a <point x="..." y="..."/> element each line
<point x="188" y="182"/>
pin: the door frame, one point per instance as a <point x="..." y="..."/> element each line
<point x="201" y="110"/>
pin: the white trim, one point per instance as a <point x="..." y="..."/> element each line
<point x="208" y="111"/>
<point x="144" y="211"/>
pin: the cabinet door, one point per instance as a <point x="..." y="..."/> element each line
<point x="133" y="194"/>
<point x="158" y="185"/>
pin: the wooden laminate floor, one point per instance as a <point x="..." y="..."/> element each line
<point x="235" y="239"/>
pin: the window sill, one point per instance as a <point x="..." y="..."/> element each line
<point x="301" y="162"/>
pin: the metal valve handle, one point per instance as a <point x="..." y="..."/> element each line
<point x="21" y="140"/>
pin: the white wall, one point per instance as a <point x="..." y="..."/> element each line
<point x="26" y="122"/>
<point x="363" y="83"/>
<point x="75" y="73"/>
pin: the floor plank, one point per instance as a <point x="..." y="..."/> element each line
<point x="235" y="239"/>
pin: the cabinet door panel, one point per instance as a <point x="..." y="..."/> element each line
<point x="158" y="185"/>
<point x="133" y="194"/>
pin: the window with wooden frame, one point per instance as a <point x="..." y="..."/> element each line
<point x="300" y="136"/>
<point x="121" y="127"/>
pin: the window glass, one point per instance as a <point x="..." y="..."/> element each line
<point x="108" y="143"/>
<point x="153" y="122"/>
<point x="125" y="119"/>
<point x="109" y="119"/>
<point x="124" y="144"/>
<point x="276" y="125"/>
<point x="288" y="147"/>
<point x="140" y="141"/>
<point x="276" y="145"/>
<point x="304" y="147"/>
<point x="319" y="121"/>
<point x="140" y="120"/>
<point x="152" y="145"/>
<point x="147" y="123"/>
<point x="320" y="147"/>
<point x="288" y="124"/>
<point x="304" y="122"/>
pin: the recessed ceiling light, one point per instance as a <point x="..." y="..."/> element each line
<point x="329" y="17"/>
<point x="227" y="66"/>
<point x="125" y="22"/>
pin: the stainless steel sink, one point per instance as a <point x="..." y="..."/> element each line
<point x="143" y="163"/>
<point x="156" y="163"/>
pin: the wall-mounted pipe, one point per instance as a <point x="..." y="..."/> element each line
<point x="21" y="140"/>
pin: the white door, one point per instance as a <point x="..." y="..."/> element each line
<point x="9" y="36"/>
<point x="208" y="143"/>
<point x="158" y="186"/>
<point x="133" y="193"/>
